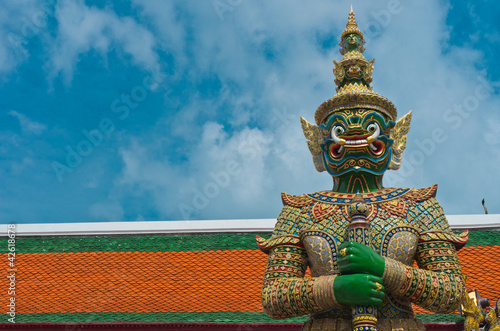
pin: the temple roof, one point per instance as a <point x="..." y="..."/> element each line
<point x="211" y="277"/>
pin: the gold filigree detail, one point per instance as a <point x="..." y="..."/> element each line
<point x="402" y="247"/>
<point x="359" y="98"/>
<point x="323" y="292"/>
<point x="398" y="135"/>
<point x="422" y="194"/>
<point x="320" y="255"/>
<point x="472" y="312"/>
<point x="459" y="240"/>
<point x="353" y="64"/>
<point x="321" y="211"/>
<point x="351" y="26"/>
<point x="297" y="201"/>
<point x="398" y="207"/>
<point x="314" y="138"/>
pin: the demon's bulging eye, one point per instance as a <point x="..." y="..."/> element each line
<point x="372" y="128"/>
<point x="337" y="130"/>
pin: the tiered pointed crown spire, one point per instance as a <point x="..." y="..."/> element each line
<point x="351" y="26"/>
<point x="353" y="75"/>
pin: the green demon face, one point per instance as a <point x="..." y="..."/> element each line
<point x="351" y="42"/>
<point x="358" y="140"/>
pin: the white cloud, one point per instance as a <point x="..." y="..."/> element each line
<point x="221" y="170"/>
<point x="166" y="20"/>
<point x="27" y="125"/>
<point x="415" y="67"/>
<point x="82" y="28"/>
<point x="20" y="22"/>
<point x="9" y="142"/>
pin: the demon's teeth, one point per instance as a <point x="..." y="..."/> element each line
<point x="341" y="148"/>
<point x="372" y="146"/>
<point x="356" y="142"/>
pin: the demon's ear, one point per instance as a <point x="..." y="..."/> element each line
<point x="398" y="135"/>
<point x="314" y="140"/>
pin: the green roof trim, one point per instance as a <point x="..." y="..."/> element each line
<point x="483" y="238"/>
<point x="441" y="318"/>
<point x="136" y="243"/>
<point x="219" y="317"/>
<point x="172" y="243"/>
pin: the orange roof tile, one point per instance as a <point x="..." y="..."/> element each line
<point x="175" y="281"/>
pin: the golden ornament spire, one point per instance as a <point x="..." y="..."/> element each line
<point x="353" y="77"/>
<point x="351" y="26"/>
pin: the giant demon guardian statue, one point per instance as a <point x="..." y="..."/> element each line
<point x="360" y="239"/>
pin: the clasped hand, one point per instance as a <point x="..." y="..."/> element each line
<point x="360" y="259"/>
<point x="361" y="270"/>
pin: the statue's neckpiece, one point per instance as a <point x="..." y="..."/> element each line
<point x="347" y="198"/>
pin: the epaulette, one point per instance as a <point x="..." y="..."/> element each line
<point x="265" y="245"/>
<point x="284" y="231"/>
<point x="422" y="194"/>
<point x="459" y="240"/>
<point x="297" y="201"/>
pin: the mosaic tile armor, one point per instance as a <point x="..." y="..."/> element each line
<point x="406" y="225"/>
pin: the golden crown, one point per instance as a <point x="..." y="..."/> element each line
<point x="353" y="77"/>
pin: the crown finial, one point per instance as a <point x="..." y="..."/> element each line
<point x="353" y="77"/>
<point x="351" y="26"/>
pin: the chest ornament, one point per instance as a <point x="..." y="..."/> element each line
<point x="369" y="198"/>
<point x="321" y="251"/>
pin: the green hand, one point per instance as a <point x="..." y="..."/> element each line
<point x="360" y="259"/>
<point x="358" y="289"/>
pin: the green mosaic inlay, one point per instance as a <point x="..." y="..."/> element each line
<point x="171" y="243"/>
<point x="222" y="317"/>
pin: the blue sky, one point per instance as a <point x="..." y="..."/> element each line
<point x="173" y="110"/>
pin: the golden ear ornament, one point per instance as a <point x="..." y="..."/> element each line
<point x="314" y="138"/>
<point x="398" y="135"/>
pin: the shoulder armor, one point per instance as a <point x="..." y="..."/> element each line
<point x="422" y="194"/>
<point x="289" y="223"/>
<point x="459" y="240"/>
<point x="265" y="245"/>
<point x="297" y="201"/>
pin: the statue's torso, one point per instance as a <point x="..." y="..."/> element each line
<point x="397" y="218"/>
<point x="403" y="223"/>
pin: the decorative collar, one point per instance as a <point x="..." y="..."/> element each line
<point x="346" y="198"/>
